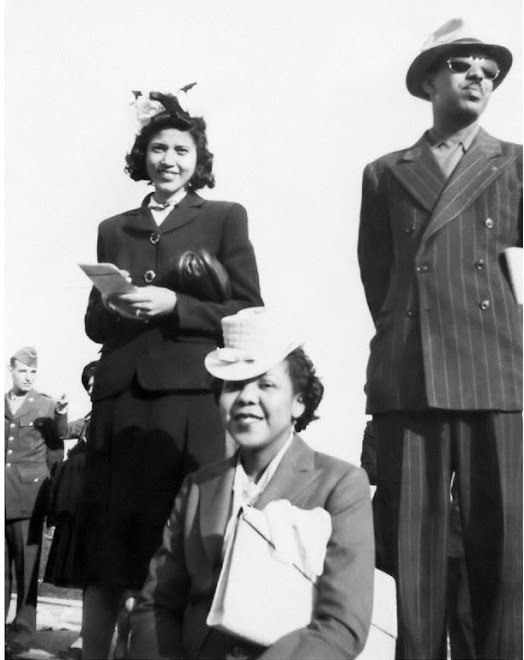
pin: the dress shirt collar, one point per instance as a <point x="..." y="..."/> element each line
<point x="464" y="137"/>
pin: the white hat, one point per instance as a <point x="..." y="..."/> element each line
<point x="255" y="339"/>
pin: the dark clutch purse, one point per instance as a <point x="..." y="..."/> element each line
<point x="201" y="275"/>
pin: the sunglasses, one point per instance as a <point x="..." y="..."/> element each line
<point x="489" y="67"/>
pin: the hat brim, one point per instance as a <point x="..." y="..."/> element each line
<point x="245" y="369"/>
<point x="428" y="58"/>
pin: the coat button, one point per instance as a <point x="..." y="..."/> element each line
<point x="484" y="304"/>
<point x="35" y="480"/>
<point x="409" y="230"/>
<point x="30" y="423"/>
<point x="12" y="425"/>
<point x="9" y="451"/>
<point x="488" y="223"/>
<point x="411" y="313"/>
<point x="8" y="465"/>
<point x="11" y="438"/>
<point x="479" y="265"/>
<point x="154" y="238"/>
<point x="423" y="268"/>
<point x="149" y="276"/>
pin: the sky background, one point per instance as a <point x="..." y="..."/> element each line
<point x="298" y="95"/>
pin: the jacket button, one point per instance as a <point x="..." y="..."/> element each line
<point x="423" y="268"/>
<point x="35" y="480"/>
<point x="409" y="230"/>
<point x="9" y="451"/>
<point x="154" y="238"/>
<point x="488" y="223"/>
<point x="30" y="423"/>
<point x="8" y="465"/>
<point x="149" y="276"/>
<point x="479" y="265"/>
<point x="411" y="313"/>
<point x="12" y="425"/>
<point x="484" y="304"/>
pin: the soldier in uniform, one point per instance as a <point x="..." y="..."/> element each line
<point x="34" y="427"/>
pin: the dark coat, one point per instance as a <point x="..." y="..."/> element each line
<point x="168" y="353"/>
<point x="170" y="620"/>
<point x="33" y="446"/>
<point x="448" y="328"/>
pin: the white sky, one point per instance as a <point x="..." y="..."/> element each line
<point x="298" y="94"/>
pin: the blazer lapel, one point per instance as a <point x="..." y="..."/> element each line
<point x="215" y="503"/>
<point x="419" y="173"/>
<point x="183" y="213"/>
<point x="295" y="474"/>
<point x="31" y="396"/>
<point x="479" y="167"/>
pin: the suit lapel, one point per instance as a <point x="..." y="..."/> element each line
<point x="215" y="503"/>
<point x="32" y="395"/>
<point x="295" y="474"/>
<point x="419" y="173"/>
<point x="183" y="213"/>
<point x="141" y="219"/>
<point x="480" y="166"/>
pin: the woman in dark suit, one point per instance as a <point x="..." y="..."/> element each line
<point x="267" y="389"/>
<point x="154" y="419"/>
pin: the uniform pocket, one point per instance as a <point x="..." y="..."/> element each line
<point x="29" y="475"/>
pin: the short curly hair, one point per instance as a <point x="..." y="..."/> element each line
<point x="305" y="383"/>
<point x="195" y="126"/>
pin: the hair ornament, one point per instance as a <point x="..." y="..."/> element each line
<point x="150" y="104"/>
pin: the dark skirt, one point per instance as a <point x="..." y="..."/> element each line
<point x="64" y="563"/>
<point x="140" y="448"/>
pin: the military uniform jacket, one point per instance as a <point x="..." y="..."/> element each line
<point x="33" y="445"/>
<point x="448" y="328"/>
<point x="168" y="353"/>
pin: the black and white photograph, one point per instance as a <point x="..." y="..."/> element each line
<point x="263" y="329"/>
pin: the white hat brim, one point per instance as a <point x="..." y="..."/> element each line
<point x="245" y="369"/>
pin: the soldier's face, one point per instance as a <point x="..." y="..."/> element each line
<point x="23" y="377"/>
<point x="460" y="95"/>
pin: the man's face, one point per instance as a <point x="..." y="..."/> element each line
<point x="461" y="95"/>
<point x="23" y="377"/>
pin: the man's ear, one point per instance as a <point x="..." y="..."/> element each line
<point x="427" y="84"/>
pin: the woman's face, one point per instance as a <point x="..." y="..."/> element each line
<point x="259" y="412"/>
<point x="171" y="160"/>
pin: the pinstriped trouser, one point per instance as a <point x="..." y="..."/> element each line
<point x="417" y="453"/>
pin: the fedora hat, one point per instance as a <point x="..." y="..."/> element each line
<point x="255" y="340"/>
<point x="452" y="39"/>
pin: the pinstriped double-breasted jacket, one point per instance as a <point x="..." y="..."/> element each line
<point x="448" y="328"/>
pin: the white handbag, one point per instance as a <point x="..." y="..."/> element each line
<point x="259" y="597"/>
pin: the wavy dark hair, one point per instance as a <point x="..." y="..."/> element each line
<point x="305" y="383"/>
<point x="195" y="126"/>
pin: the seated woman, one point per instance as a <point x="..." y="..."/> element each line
<point x="267" y="389"/>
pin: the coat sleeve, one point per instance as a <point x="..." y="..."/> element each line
<point x="100" y="323"/>
<point x="375" y="253"/>
<point x="238" y="258"/>
<point x="342" y="613"/>
<point x="158" y="616"/>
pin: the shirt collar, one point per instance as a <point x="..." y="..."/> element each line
<point x="248" y="490"/>
<point x="464" y="137"/>
<point x="175" y="198"/>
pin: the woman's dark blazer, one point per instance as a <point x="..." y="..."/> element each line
<point x="168" y="353"/>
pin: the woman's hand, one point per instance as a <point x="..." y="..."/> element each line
<point x="147" y="302"/>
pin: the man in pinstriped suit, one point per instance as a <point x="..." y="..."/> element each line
<point x="444" y="379"/>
